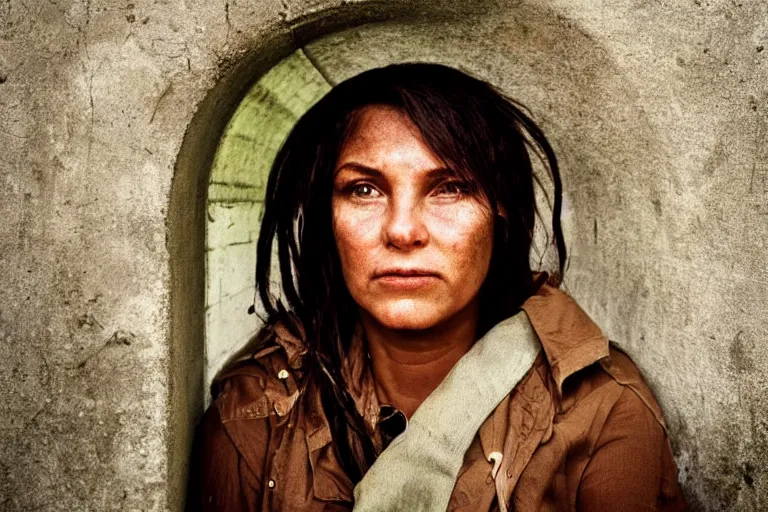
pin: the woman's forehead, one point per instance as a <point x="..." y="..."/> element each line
<point x="384" y="138"/>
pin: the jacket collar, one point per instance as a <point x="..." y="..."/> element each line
<point x="358" y="376"/>
<point x="571" y="340"/>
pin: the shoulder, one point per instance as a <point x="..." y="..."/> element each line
<point x="625" y="373"/>
<point x="630" y="465"/>
<point x="264" y="378"/>
<point x="221" y="475"/>
<point x="613" y="381"/>
<point x="251" y="396"/>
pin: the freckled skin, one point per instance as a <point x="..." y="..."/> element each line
<point x="406" y="215"/>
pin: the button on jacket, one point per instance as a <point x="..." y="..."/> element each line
<point x="581" y="431"/>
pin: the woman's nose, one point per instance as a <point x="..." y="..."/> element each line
<point x="404" y="228"/>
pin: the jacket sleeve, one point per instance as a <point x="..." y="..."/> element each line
<point x="631" y="468"/>
<point x="220" y="480"/>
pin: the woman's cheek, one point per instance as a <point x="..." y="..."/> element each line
<point x="473" y="246"/>
<point x="355" y="231"/>
<point x="466" y="229"/>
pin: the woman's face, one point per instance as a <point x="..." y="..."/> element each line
<point x="415" y="245"/>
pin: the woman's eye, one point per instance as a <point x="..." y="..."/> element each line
<point x="365" y="191"/>
<point x="451" y="188"/>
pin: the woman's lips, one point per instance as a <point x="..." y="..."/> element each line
<point x="407" y="280"/>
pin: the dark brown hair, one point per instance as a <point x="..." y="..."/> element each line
<point x="486" y="138"/>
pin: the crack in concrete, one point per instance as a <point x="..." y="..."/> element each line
<point x="285" y="16"/>
<point x="160" y="99"/>
<point x="226" y="18"/>
<point x="118" y="338"/>
<point x="13" y="134"/>
<point x="90" y="100"/>
<point x="285" y="13"/>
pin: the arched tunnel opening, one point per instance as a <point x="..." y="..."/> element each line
<point x="612" y="154"/>
<point x="559" y="81"/>
<point x="235" y="198"/>
<point x="567" y="81"/>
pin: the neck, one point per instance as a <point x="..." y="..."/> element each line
<point x="409" y="365"/>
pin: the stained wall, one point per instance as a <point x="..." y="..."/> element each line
<point x="110" y="118"/>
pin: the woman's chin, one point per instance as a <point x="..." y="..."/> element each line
<point x="407" y="315"/>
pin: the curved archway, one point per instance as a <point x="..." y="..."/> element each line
<point x="572" y="85"/>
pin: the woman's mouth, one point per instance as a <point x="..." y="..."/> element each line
<point x="406" y="279"/>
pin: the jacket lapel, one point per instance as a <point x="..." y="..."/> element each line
<point x="517" y="427"/>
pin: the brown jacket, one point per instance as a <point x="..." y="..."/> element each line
<point x="581" y="431"/>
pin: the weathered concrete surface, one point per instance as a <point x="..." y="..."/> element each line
<point x="110" y="113"/>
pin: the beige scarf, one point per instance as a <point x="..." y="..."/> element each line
<point x="418" y="470"/>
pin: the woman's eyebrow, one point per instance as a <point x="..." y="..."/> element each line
<point x="438" y="172"/>
<point x="362" y="169"/>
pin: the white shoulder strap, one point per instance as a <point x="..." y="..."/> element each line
<point x="418" y="471"/>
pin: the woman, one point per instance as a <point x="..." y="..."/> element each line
<point x="403" y="209"/>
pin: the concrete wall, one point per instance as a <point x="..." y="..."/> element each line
<point x="110" y="117"/>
